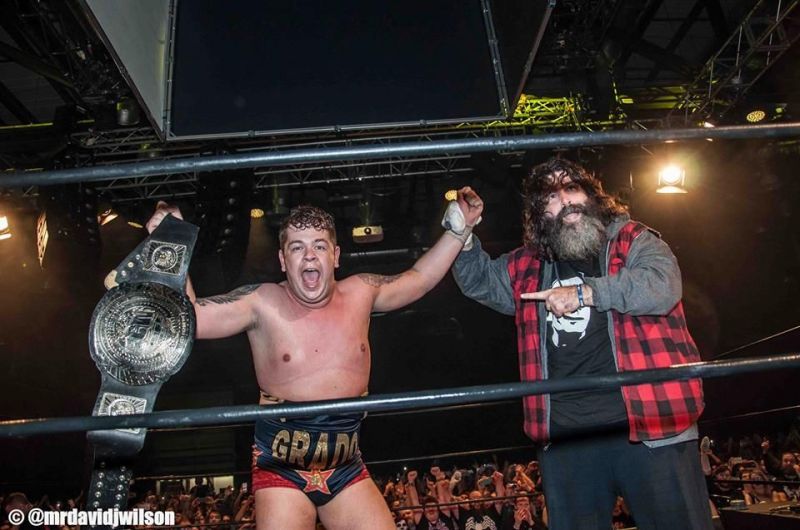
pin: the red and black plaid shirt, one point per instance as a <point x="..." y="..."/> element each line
<point x="655" y="411"/>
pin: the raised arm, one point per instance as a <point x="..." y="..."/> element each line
<point x="413" y="495"/>
<point x="221" y="315"/>
<point x="484" y="279"/>
<point x="394" y="292"/>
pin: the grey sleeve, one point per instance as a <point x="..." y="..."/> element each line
<point x="649" y="284"/>
<point x="485" y="280"/>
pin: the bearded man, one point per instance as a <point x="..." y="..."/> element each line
<point x="596" y="293"/>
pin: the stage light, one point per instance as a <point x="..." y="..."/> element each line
<point x="671" y="190"/>
<point x="755" y="116"/>
<point x="5" y="229"/>
<point x="106" y="217"/>
<point x="256" y="213"/>
<point x="367" y="231"/>
<point x="367" y="234"/>
<point x="127" y="112"/>
<point x="42" y="237"/>
<point x="670" y="175"/>
<point x="671" y="179"/>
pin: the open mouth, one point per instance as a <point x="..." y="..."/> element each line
<point x="311" y="276"/>
<point x="571" y="214"/>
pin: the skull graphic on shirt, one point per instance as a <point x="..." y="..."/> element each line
<point x="575" y="322"/>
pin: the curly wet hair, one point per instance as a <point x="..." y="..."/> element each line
<point x="541" y="181"/>
<point x="305" y="216"/>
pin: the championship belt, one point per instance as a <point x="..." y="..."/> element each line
<point x="141" y="333"/>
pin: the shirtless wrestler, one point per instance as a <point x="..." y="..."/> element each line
<point x="308" y="336"/>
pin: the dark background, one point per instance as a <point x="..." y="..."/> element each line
<point x="603" y="65"/>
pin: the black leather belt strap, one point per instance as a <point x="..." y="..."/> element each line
<point x="141" y="333"/>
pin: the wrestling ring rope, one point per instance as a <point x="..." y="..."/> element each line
<point x="189" y="418"/>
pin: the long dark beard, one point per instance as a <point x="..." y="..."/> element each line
<point x="577" y="241"/>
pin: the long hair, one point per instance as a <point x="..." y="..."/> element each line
<point x="305" y="216"/>
<point x="541" y="181"/>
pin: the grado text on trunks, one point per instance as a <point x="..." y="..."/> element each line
<point x="311" y="450"/>
<point x="140" y="332"/>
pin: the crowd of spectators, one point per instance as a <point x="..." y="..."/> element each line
<point x="760" y="468"/>
<point x="768" y="468"/>
<point x="490" y="496"/>
<point x="200" y="507"/>
<point x="486" y="496"/>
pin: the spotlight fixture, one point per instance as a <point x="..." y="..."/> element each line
<point x="367" y="234"/>
<point x="106" y="217"/>
<point x="755" y="116"/>
<point x="5" y="230"/>
<point x="127" y="112"/>
<point x="256" y="213"/>
<point x="367" y="231"/>
<point x="42" y="237"/>
<point x="671" y="179"/>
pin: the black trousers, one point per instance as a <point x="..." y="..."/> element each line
<point x="663" y="488"/>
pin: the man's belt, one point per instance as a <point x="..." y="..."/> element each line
<point x="141" y="333"/>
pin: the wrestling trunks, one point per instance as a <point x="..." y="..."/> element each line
<point x="319" y="456"/>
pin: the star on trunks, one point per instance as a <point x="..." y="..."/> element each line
<point x="316" y="480"/>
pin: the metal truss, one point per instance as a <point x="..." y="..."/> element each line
<point x="749" y="52"/>
<point x="655" y="98"/>
<point x="340" y="164"/>
<point x="545" y="113"/>
<point x="57" y="45"/>
<point x="362" y="171"/>
<point x="574" y="28"/>
<point x="185" y="185"/>
<point x="130" y="144"/>
<point x="149" y="188"/>
<point x="140" y="143"/>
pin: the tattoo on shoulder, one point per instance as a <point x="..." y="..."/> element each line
<point x="376" y="280"/>
<point x="231" y="297"/>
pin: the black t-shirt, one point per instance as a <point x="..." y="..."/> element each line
<point x="473" y="520"/>
<point x="578" y="344"/>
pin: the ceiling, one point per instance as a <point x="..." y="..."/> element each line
<point x="601" y="64"/>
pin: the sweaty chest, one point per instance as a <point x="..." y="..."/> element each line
<point x="333" y="337"/>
